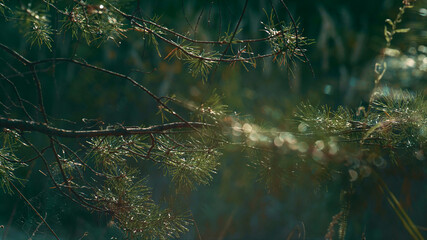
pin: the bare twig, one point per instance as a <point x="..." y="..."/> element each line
<point x="119" y="131"/>
<point x="37" y="228"/>
<point x="18" y="96"/>
<point x="34" y="209"/>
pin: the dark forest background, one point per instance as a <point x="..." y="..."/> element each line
<point x="348" y="35"/>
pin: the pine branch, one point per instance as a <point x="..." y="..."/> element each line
<point x="32" y="126"/>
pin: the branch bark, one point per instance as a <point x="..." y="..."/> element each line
<point x="17" y="124"/>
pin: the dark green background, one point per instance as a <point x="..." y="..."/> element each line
<point x="349" y="37"/>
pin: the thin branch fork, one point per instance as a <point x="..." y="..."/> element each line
<point x="232" y="59"/>
<point x="134" y="82"/>
<point x="17" y="124"/>
<point x="132" y="17"/>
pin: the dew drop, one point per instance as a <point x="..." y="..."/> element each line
<point x="278" y="142"/>
<point x="353" y="175"/>
<point x="302" y="127"/>
<point x="247" y="128"/>
<point x="319" y="144"/>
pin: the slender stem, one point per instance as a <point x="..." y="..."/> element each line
<point x="119" y="131"/>
<point x="33" y="208"/>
